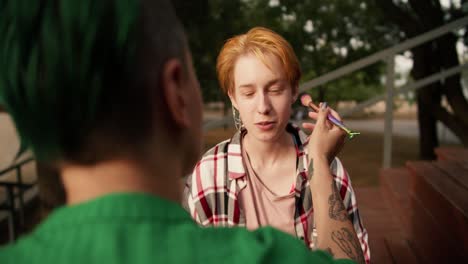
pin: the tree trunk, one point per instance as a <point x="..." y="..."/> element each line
<point x="452" y="122"/>
<point x="418" y="17"/>
<point x="457" y="121"/>
<point x="428" y="139"/>
<point x="428" y="99"/>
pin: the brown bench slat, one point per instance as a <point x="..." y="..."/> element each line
<point x="452" y="194"/>
<point x="457" y="154"/>
<point x="431" y="242"/>
<point x="445" y="201"/>
<point x="400" y="250"/>
<point x="394" y="185"/>
<point x="379" y="222"/>
<point x="455" y="171"/>
<point x="379" y="250"/>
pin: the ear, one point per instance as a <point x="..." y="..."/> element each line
<point x="233" y="99"/>
<point x="174" y="87"/>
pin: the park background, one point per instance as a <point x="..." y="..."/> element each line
<point x="327" y="35"/>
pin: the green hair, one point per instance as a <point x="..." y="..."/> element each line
<point x="55" y="59"/>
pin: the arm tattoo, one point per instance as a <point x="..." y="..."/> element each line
<point x="336" y="210"/>
<point x="345" y="240"/>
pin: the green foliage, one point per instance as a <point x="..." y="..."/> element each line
<point x="357" y="87"/>
<point x="334" y="26"/>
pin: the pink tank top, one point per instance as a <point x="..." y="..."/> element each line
<point x="262" y="207"/>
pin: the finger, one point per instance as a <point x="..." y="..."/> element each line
<point x="308" y="126"/>
<point x="336" y="115"/>
<point x="313" y="115"/>
<point x="339" y="133"/>
<point x="322" y="115"/>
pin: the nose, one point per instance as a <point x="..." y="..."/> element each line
<point x="263" y="104"/>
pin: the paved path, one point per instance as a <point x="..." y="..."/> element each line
<point x="9" y="142"/>
<point x="405" y="128"/>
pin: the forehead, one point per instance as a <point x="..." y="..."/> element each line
<point x="250" y="69"/>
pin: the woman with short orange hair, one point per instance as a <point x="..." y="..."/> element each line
<point x="261" y="176"/>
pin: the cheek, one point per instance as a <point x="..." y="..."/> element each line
<point x="247" y="112"/>
<point x="283" y="106"/>
<point x="286" y="114"/>
<point x="246" y="107"/>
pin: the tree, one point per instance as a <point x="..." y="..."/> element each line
<point x="413" y="17"/>
<point x="324" y="35"/>
<point x="328" y="34"/>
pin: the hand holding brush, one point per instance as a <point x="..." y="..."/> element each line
<point x="306" y="101"/>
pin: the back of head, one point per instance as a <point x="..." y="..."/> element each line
<point x="260" y="42"/>
<point x="74" y="75"/>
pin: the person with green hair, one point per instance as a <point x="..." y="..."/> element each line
<point x="105" y="93"/>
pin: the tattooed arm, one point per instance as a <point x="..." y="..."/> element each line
<point x="335" y="231"/>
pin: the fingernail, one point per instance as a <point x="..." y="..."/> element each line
<point x="324" y="105"/>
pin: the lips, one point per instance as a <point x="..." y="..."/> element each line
<point x="265" y="125"/>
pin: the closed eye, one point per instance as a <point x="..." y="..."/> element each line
<point x="247" y="90"/>
<point x="276" y="90"/>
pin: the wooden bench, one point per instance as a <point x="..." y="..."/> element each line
<point x="430" y="198"/>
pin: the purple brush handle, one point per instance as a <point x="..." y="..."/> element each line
<point x="334" y="120"/>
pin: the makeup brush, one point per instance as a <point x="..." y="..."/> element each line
<point x="306" y="100"/>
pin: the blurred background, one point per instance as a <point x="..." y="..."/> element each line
<point x="327" y="35"/>
<point x="394" y="69"/>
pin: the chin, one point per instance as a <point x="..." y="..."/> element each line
<point x="272" y="135"/>
<point x="267" y="137"/>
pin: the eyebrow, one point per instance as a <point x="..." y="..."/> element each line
<point x="247" y="85"/>
<point x="269" y="83"/>
<point x="273" y="82"/>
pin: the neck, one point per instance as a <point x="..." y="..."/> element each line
<point x="268" y="153"/>
<point x="83" y="183"/>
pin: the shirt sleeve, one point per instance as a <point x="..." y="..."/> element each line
<point x="343" y="183"/>
<point x="279" y="247"/>
<point x="188" y="201"/>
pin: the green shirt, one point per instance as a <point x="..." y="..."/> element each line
<point x="139" y="228"/>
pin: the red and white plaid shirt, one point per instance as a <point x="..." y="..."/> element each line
<point x="211" y="192"/>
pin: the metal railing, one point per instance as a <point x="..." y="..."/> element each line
<point x="388" y="56"/>
<point x="14" y="189"/>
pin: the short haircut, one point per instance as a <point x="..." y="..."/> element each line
<point x="260" y="42"/>
<point x="74" y="75"/>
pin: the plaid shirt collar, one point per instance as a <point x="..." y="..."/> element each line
<point x="212" y="190"/>
<point x="237" y="173"/>
<point x="236" y="169"/>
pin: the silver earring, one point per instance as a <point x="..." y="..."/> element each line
<point x="237" y="119"/>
